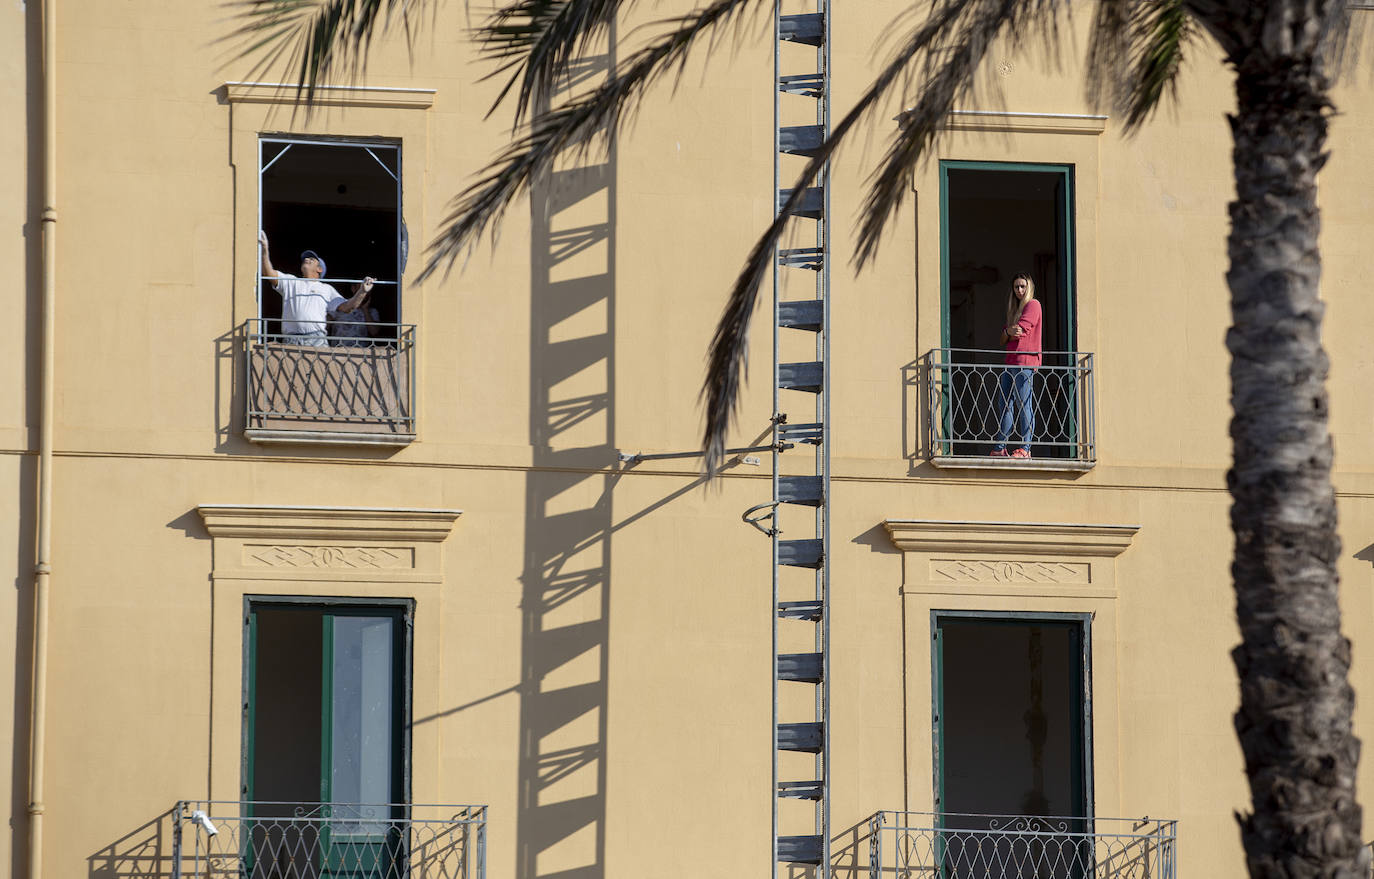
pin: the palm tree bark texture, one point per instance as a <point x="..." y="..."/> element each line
<point x="1294" y="720"/>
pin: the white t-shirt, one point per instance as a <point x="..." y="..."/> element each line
<point x="305" y="303"/>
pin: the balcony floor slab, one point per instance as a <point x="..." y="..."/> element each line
<point x="327" y="438"/>
<point x="984" y="462"/>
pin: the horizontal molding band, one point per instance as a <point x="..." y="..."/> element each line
<point x="290" y="94"/>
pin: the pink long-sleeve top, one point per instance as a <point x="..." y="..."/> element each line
<point x="1030" y="342"/>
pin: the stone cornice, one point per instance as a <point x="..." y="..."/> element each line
<point x="998" y="120"/>
<point x="1003" y="538"/>
<point x="328" y="523"/>
<point x="286" y="93"/>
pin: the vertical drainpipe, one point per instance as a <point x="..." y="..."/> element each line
<point x="42" y="571"/>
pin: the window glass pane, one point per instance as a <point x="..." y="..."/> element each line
<point x="361" y="710"/>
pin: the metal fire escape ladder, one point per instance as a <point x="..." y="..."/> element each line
<point x="801" y="502"/>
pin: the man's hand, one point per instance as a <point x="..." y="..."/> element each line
<point x="264" y="257"/>
<point x="360" y="292"/>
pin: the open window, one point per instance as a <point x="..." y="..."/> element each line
<point x="1013" y="746"/>
<point x="998" y="220"/>
<point x="342" y="199"/>
<point x="326" y="706"/>
<point x="352" y="383"/>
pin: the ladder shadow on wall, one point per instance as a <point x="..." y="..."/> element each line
<point x="568" y="521"/>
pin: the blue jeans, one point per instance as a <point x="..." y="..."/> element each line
<point x="1014" y="399"/>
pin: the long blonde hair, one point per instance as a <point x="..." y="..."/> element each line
<point x="1016" y="306"/>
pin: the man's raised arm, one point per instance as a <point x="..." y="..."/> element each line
<point x="359" y="294"/>
<point x="267" y="270"/>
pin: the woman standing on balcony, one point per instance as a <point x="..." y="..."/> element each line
<point x="1021" y="339"/>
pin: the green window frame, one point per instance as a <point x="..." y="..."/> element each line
<point x="1066" y="235"/>
<point x="401" y="612"/>
<point x="1082" y="623"/>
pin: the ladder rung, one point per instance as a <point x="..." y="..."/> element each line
<point x="799" y="850"/>
<point x="805" y="314"/>
<point x="801" y="790"/>
<point x="800" y="737"/>
<point x="801" y="433"/>
<point x="801" y="376"/>
<point x="800" y="610"/>
<point x="812" y="258"/>
<point x="811" y="205"/>
<point x="806" y="490"/>
<point x="800" y="140"/>
<point x="800" y="553"/>
<point x="812" y="85"/>
<point x="808" y="28"/>
<point x="805" y="668"/>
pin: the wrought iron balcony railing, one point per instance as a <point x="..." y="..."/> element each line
<point x="978" y="406"/>
<point x="923" y="845"/>
<point x="257" y="840"/>
<point x="340" y="389"/>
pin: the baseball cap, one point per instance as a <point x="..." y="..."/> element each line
<point x="310" y="254"/>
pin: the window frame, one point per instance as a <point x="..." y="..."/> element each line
<point x="1069" y="243"/>
<point x="1084" y="622"/>
<point x="398" y="176"/>
<point x="403" y="611"/>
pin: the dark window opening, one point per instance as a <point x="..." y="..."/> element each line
<point x="343" y="201"/>
<point x="1013" y="750"/>
<point x="1000" y="223"/>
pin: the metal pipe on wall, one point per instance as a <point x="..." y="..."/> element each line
<point x="42" y="572"/>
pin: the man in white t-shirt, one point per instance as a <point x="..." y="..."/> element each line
<point x="306" y="301"/>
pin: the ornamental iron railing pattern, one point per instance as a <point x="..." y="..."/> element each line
<point x="261" y="840"/>
<point x="917" y="845"/>
<point x="973" y="400"/>
<point x="340" y="384"/>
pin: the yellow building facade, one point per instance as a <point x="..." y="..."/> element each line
<point x="446" y="561"/>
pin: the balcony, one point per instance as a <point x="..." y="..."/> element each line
<point x="972" y="409"/>
<point x="912" y="845"/>
<point x="255" y="840"/>
<point x="350" y="391"/>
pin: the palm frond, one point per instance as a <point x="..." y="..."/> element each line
<point x="573" y="128"/>
<point x="945" y="78"/>
<point x="535" y="41"/>
<point x="725" y="363"/>
<point x="1136" y="54"/>
<point x="317" y="39"/>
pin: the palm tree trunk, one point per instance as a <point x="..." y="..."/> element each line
<point x="1294" y="720"/>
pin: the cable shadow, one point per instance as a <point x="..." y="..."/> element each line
<point x="561" y="812"/>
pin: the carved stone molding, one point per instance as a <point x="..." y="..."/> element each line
<point x="328" y="544"/>
<point x="997" y="560"/>
<point x="1006" y="571"/>
<point x="339" y="557"/>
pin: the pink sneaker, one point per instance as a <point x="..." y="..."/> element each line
<point x="998" y="453"/>
<point x="1019" y="453"/>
